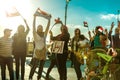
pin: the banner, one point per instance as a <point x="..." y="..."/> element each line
<point x="41" y="13"/>
<point x="58" y="47"/>
<point x="12" y="12"/>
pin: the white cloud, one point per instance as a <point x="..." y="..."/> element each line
<point x="108" y="16"/>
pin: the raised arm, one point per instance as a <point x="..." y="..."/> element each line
<point x="28" y="29"/>
<point x="110" y="32"/>
<point x="48" y="26"/>
<point x="89" y="33"/>
<point x="34" y="21"/>
<point x="111" y="28"/>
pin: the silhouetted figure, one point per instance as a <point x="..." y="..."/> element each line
<point x="20" y="49"/>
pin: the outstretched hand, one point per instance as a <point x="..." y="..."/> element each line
<point x="112" y="25"/>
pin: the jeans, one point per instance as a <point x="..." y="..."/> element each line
<point x="20" y="61"/>
<point x="34" y="66"/>
<point x="77" y="67"/>
<point x="61" y="65"/>
<point x="9" y="62"/>
<point x="52" y="64"/>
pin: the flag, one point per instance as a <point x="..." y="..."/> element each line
<point x="100" y="29"/>
<point x="57" y="20"/>
<point x="12" y="12"/>
<point x="42" y="13"/>
<point x="85" y="24"/>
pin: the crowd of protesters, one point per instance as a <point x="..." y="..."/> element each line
<point x="16" y="48"/>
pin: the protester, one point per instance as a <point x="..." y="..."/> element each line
<point x="62" y="58"/>
<point x="40" y="48"/>
<point x="6" y="58"/>
<point x="115" y="44"/>
<point x="100" y="38"/>
<point x="75" y="48"/>
<point x="77" y="45"/>
<point x="99" y="45"/>
<point x="20" y="49"/>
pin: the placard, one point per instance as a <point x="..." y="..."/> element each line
<point x="58" y="47"/>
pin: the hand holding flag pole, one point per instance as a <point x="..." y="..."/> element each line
<point x="57" y="21"/>
<point x="42" y="13"/>
<point x="20" y="15"/>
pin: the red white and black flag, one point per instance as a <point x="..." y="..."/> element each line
<point x="42" y="13"/>
<point x="85" y="24"/>
<point x="12" y="12"/>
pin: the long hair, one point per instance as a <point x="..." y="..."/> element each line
<point x="64" y="29"/>
<point x="77" y="29"/>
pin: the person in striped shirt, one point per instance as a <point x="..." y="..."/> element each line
<point x="6" y="54"/>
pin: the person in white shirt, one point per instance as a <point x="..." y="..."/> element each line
<point x="40" y="48"/>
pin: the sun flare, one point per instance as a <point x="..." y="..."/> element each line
<point x="22" y="6"/>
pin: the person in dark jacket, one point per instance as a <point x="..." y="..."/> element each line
<point x="62" y="58"/>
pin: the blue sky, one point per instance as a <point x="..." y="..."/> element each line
<point x="95" y="12"/>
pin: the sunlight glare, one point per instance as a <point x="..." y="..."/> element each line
<point x="22" y="6"/>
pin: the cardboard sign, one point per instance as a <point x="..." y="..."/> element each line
<point x="58" y="47"/>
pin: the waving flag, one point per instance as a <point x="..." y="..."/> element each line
<point x="100" y="29"/>
<point x="42" y="13"/>
<point x="57" y="20"/>
<point x="85" y="24"/>
<point x="12" y="12"/>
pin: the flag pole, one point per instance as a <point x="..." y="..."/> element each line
<point x="66" y="6"/>
<point x="52" y="26"/>
<point x="118" y="17"/>
<point x="20" y="14"/>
